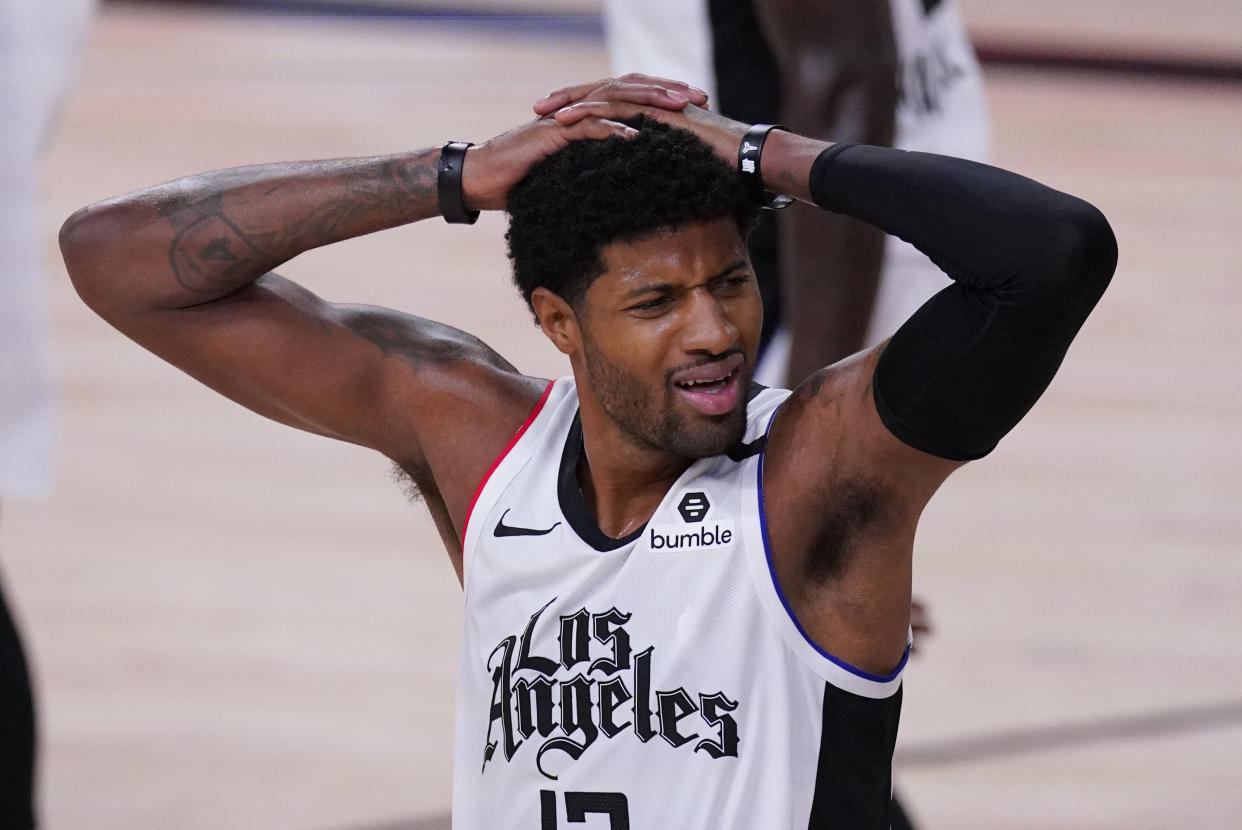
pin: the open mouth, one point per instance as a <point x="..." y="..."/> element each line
<point x="709" y="385"/>
<point x="712" y="389"/>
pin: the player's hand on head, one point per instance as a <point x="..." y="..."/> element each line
<point x="723" y="135"/>
<point x="588" y="111"/>
<point x="634" y="88"/>
<point x="494" y="167"/>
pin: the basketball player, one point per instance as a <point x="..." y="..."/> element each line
<point x="895" y="73"/>
<point x="687" y="598"/>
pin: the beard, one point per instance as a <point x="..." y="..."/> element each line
<point x="652" y="418"/>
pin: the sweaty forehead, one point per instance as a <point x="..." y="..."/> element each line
<point x="679" y="255"/>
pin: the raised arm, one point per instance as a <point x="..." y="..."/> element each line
<point x="203" y="237"/>
<point x="1029" y="264"/>
<point x="184" y="269"/>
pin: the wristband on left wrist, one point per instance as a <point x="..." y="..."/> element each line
<point x="449" y="187"/>
<point x="749" y="164"/>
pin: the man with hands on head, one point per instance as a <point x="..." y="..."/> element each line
<point x="687" y="597"/>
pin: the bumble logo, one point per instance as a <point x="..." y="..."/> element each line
<point x="693" y="508"/>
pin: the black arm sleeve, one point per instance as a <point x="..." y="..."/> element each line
<point x="1029" y="264"/>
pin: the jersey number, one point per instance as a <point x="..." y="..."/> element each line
<point x="577" y="805"/>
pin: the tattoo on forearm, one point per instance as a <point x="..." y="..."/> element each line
<point x="417" y="177"/>
<point x="210" y="255"/>
<point x="217" y="248"/>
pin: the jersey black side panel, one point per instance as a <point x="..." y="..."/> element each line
<point x="748" y="89"/>
<point x="854" y="781"/>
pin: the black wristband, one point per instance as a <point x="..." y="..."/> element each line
<point x="748" y="164"/>
<point x="448" y="184"/>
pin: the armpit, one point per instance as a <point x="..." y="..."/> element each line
<point x="856" y="509"/>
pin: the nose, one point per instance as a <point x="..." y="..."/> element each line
<point x="708" y="327"/>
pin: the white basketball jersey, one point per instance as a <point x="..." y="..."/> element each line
<point x="654" y="681"/>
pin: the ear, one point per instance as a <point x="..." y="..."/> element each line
<point x="557" y="319"/>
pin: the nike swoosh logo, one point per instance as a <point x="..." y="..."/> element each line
<point x="503" y="529"/>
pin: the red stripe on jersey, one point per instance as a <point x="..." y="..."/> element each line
<point x="517" y="436"/>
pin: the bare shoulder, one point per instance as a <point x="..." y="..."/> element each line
<point x="454" y="401"/>
<point x="829" y="435"/>
<point x="818" y="475"/>
<point x="843" y="497"/>
<point x="819" y="429"/>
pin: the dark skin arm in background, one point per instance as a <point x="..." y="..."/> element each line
<point x="838" y="71"/>
<point x="185" y="270"/>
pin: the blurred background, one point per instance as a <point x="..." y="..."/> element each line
<point x="232" y="624"/>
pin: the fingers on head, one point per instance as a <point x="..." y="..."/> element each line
<point x="635" y="86"/>
<point x="641" y="90"/>
<point x="573" y="113"/>
<point x="613" y="110"/>
<point x="596" y="127"/>
<point x="666" y="83"/>
<point x="653" y="94"/>
<point x="567" y="95"/>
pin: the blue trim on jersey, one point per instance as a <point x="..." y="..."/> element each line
<point x="767" y="552"/>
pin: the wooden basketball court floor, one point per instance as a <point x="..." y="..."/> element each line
<point x="237" y="626"/>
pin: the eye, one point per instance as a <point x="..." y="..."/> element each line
<point x="652" y="306"/>
<point x="734" y="283"/>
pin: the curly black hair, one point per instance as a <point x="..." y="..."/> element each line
<point x="592" y="193"/>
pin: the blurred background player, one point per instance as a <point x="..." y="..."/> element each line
<point x="888" y="72"/>
<point x="38" y="43"/>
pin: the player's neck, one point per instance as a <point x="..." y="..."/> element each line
<point x="622" y="483"/>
